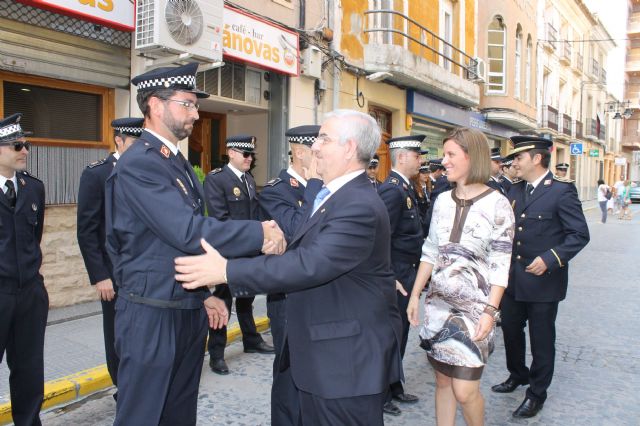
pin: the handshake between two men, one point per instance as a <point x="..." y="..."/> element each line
<point x="209" y="269"/>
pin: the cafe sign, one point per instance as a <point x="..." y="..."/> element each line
<point x="259" y="42"/>
<point x="118" y="14"/>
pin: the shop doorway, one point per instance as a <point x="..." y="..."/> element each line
<point x="383" y="117"/>
<point x="206" y="143"/>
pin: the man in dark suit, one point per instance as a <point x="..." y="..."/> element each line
<point x="372" y="171"/>
<point x="230" y="193"/>
<point x="550" y="230"/>
<point x="342" y="348"/>
<point x="286" y="199"/>
<point x="154" y="212"/>
<point x="399" y="197"/>
<point x="91" y="231"/>
<point x="24" y="303"/>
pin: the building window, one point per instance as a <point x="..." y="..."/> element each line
<point x="518" y="64"/>
<point x="527" y="71"/>
<point x="58" y="112"/>
<point x="382" y="21"/>
<point x="497" y="66"/>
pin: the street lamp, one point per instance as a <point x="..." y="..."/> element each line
<point x="620" y="110"/>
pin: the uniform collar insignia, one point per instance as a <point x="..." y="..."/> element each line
<point x="22" y="182"/>
<point x="165" y="151"/>
<point x="294" y="182"/>
<point x="547" y="182"/>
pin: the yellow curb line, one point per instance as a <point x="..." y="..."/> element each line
<point x="75" y="386"/>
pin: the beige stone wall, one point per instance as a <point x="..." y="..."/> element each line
<point x="64" y="273"/>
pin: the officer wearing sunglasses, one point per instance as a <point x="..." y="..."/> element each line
<point x="24" y="302"/>
<point x="230" y="193"/>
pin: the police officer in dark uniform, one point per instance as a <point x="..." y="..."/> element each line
<point x="441" y="183"/>
<point x="508" y="174"/>
<point x="24" y="302"/>
<point x="550" y="230"/>
<point x="91" y="231"/>
<point x="230" y="193"/>
<point x="372" y="171"/>
<point x="283" y="200"/>
<point x="154" y="208"/>
<point x="399" y="197"/>
<point x="495" y="180"/>
<point x="562" y="169"/>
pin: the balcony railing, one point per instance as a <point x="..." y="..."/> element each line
<point x="430" y="40"/>
<point x="603" y="76"/>
<point x="552" y="35"/>
<point x="565" y="53"/>
<point x="549" y="117"/>
<point x="595" y="68"/>
<point x="566" y="124"/>
<point x="579" y="61"/>
<point x="578" y="126"/>
<point x="595" y="131"/>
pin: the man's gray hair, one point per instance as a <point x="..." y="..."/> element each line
<point x="394" y="154"/>
<point x="360" y="127"/>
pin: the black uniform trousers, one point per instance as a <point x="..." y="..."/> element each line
<point x="244" y="310"/>
<point x="161" y="354"/>
<point x="23" y="320"/>
<point x="406" y="274"/>
<point x="277" y="312"/>
<point x="541" y="317"/>
<point x="108" y="331"/>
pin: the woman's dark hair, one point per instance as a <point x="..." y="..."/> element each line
<point x="600" y="182"/>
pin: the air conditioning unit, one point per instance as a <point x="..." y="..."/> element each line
<point x="311" y="62"/>
<point x="174" y="27"/>
<point x="478" y="72"/>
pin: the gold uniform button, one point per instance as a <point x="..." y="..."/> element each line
<point x="519" y="228"/>
<point x="518" y="257"/>
<point x="539" y="217"/>
<point x="518" y="243"/>
<point x="523" y="215"/>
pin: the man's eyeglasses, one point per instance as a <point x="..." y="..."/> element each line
<point x="245" y="154"/>
<point x="324" y="139"/>
<point x="187" y="104"/>
<point x="18" y="145"/>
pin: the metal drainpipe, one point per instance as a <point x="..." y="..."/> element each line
<point x="336" y="78"/>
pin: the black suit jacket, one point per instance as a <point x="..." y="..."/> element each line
<point x="549" y="224"/>
<point x="343" y="325"/>
<point x="90" y="223"/>
<point x="20" y="235"/>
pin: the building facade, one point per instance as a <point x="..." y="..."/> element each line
<point x="631" y="126"/>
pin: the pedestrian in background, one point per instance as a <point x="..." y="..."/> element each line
<point x="603" y="191"/>
<point x="550" y="231"/>
<point x="467" y="256"/>
<point x="24" y="302"/>
<point x="91" y="232"/>
<point x="625" y="201"/>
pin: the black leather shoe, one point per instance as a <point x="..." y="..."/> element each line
<point x="507" y="386"/>
<point x="218" y="366"/>
<point x="260" y="348"/>
<point x="391" y="408"/>
<point x="529" y="408"/>
<point x="406" y="398"/>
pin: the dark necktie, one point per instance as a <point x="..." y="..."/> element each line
<point x="244" y="182"/>
<point x="10" y="193"/>
<point x="185" y="165"/>
<point x="527" y="191"/>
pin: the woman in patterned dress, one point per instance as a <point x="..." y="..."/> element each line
<point x="467" y="255"/>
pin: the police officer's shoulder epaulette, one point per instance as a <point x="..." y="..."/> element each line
<point x="215" y="171"/>
<point x="26" y="173"/>
<point x="561" y="179"/>
<point x="273" y="182"/>
<point x="97" y="163"/>
<point x="394" y="181"/>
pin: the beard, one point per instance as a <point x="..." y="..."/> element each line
<point x="177" y="128"/>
